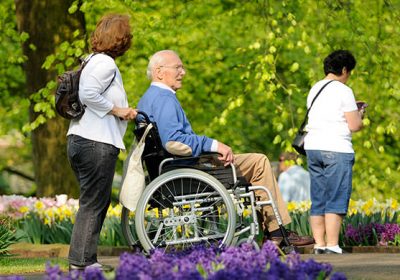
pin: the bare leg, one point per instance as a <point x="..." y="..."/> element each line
<point x="318" y="229"/>
<point x="333" y="222"/>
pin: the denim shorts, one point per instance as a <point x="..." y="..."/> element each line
<point x="331" y="181"/>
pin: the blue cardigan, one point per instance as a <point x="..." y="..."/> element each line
<point x="162" y="107"/>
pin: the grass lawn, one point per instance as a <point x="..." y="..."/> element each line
<point x="17" y="266"/>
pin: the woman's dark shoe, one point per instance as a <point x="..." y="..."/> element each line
<point x="319" y="251"/>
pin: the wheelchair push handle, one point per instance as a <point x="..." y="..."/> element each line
<point x="144" y="117"/>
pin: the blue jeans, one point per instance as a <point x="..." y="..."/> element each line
<point x="331" y="181"/>
<point x="94" y="166"/>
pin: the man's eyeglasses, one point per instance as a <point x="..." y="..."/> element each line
<point x="178" y="68"/>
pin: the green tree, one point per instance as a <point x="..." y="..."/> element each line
<point x="13" y="105"/>
<point x="46" y="33"/>
<point x="249" y="65"/>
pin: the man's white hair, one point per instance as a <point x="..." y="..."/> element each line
<point x="155" y="60"/>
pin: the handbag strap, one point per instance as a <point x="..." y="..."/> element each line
<point x="86" y="61"/>
<point x="312" y="102"/>
<point x="150" y="126"/>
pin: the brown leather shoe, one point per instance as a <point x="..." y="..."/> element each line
<point x="297" y="240"/>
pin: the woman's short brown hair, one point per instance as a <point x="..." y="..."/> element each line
<point x="112" y="35"/>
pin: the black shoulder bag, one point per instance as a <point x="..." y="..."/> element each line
<point x="298" y="142"/>
<point x="68" y="104"/>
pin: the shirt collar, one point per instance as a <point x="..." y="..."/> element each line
<point x="164" y="86"/>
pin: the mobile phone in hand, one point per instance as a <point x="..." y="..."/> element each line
<point x="361" y="105"/>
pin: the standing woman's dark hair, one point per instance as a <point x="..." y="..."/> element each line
<point x="337" y="60"/>
<point x="112" y="35"/>
<point x="95" y="140"/>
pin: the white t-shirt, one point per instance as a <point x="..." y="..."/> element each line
<point x="327" y="127"/>
<point x="96" y="124"/>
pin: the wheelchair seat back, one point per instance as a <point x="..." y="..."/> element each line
<point x="154" y="153"/>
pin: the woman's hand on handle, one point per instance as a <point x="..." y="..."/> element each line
<point x="124" y="113"/>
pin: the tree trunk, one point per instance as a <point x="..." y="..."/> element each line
<point x="48" y="23"/>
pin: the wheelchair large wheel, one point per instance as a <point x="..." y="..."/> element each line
<point x="128" y="227"/>
<point x="184" y="207"/>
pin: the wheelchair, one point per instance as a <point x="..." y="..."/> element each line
<point x="192" y="200"/>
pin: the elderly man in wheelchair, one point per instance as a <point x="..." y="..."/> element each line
<point x="199" y="191"/>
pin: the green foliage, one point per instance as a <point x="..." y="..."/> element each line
<point x="396" y="241"/>
<point x="300" y="223"/>
<point x="16" y="266"/>
<point x="32" y="229"/>
<point x="13" y="102"/>
<point x="67" y="56"/>
<point x="7" y="236"/>
<point x="249" y="67"/>
<point x="111" y="233"/>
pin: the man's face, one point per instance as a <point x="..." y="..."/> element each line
<point x="172" y="71"/>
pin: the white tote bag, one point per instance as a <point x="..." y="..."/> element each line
<point x="134" y="181"/>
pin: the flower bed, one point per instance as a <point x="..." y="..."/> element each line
<point x="368" y="223"/>
<point x="50" y="220"/>
<point x="212" y="263"/>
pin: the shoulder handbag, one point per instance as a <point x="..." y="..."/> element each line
<point x="67" y="102"/>
<point x="298" y="142"/>
<point x="134" y="180"/>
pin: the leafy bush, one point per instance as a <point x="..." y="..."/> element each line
<point x="7" y="235"/>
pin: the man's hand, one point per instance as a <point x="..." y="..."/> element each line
<point x="124" y="113"/>
<point x="226" y="154"/>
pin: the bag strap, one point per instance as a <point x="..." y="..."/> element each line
<point x="86" y="61"/>
<point x="150" y="126"/>
<point x="312" y="102"/>
<point x="112" y="80"/>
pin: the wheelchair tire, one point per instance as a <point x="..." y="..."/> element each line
<point x="184" y="207"/>
<point x="128" y="227"/>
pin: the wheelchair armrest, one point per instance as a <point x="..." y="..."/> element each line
<point x="208" y="158"/>
<point x="207" y="162"/>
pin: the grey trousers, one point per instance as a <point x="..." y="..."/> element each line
<point x="94" y="165"/>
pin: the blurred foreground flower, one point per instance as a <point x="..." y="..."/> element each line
<point x="200" y="262"/>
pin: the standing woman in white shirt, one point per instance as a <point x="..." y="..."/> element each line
<point x="95" y="140"/>
<point x="330" y="155"/>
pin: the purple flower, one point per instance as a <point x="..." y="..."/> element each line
<point x="132" y="266"/>
<point x="200" y="262"/>
<point x="93" y="273"/>
<point x="338" y="276"/>
<point x="53" y="272"/>
<point x="313" y="269"/>
<point x="371" y="234"/>
<point x="389" y="232"/>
